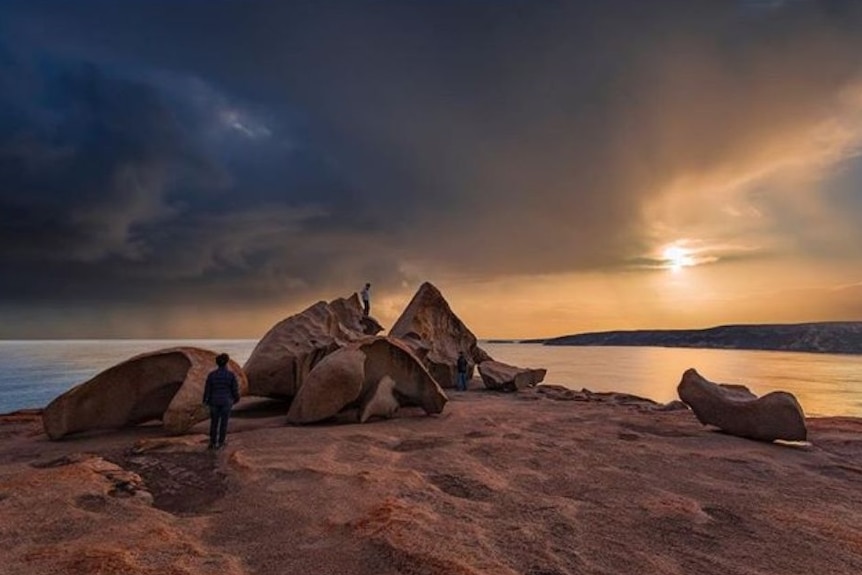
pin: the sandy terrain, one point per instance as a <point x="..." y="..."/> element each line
<point x="526" y="483"/>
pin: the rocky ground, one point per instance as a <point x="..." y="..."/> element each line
<point x="541" y="482"/>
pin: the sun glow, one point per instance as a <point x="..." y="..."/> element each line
<point x="676" y="257"/>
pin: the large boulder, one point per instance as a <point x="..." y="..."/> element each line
<point x="337" y="381"/>
<point x="376" y="376"/>
<point x="430" y="327"/>
<point x="503" y="377"/>
<point x="735" y="410"/>
<point x="166" y="385"/>
<point x="285" y="356"/>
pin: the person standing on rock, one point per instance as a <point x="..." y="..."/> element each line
<point x="462" y="366"/>
<point x="366" y="299"/>
<point x="220" y="393"/>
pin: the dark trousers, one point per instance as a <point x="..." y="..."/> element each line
<point x="462" y="381"/>
<point x="366" y="305"/>
<point x="219" y="414"/>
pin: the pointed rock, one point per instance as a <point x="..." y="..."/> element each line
<point x="167" y="384"/>
<point x="428" y="323"/>
<point x="737" y="411"/>
<point x="283" y="358"/>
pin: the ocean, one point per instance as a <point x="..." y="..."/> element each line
<point x="35" y="372"/>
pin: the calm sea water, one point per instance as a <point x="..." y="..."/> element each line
<point x="35" y="372"/>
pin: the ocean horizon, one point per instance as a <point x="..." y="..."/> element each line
<point x="37" y="371"/>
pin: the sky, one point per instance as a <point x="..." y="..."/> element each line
<point x="191" y="168"/>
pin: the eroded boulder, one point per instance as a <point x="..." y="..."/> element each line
<point x="430" y="327"/>
<point x="376" y="375"/>
<point x="370" y="326"/>
<point x="735" y="410"/>
<point x="288" y="352"/>
<point x="337" y="381"/>
<point x="503" y="377"/>
<point x="414" y="384"/>
<point x="164" y="385"/>
<point x="383" y="401"/>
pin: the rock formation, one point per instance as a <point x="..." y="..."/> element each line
<point x="735" y="410"/>
<point x="330" y="346"/>
<point x="376" y="375"/>
<point x="414" y="385"/>
<point x="349" y="313"/>
<point x="370" y="326"/>
<point x="503" y="377"/>
<point x="334" y="383"/>
<point x="164" y="385"/>
<point x="430" y="327"/>
<point x="282" y="360"/>
<point x="383" y="401"/>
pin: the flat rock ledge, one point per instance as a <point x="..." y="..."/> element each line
<point x="539" y="482"/>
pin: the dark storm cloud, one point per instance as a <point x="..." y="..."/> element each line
<point x="125" y="184"/>
<point x="244" y="149"/>
<point x="85" y="167"/>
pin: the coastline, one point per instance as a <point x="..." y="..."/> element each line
<point x="828" y="337"/>
<point x="527" y="483"/>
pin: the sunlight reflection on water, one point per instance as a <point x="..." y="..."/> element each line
<point x="824" y="384"/>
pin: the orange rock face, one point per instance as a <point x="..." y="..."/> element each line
<point x="84" y="514"/>
<point x="508" y="484"/>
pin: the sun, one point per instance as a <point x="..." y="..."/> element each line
<point x="676" y="257"/>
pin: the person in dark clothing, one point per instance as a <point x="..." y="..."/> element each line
<point x="462" y="366"/>
<point x="220" y="393"/>
<point x="366" y="299"/>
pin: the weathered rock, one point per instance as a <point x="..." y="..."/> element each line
<point x="735" y="410"/>
<point x="349" y="313"/>
<point x="167" y="384"/>
<point x="503" y="377"/>
<point x="418" y="347"/>
<point x="675" y="405"/>
<point x="376" y="375"/>
<point x="283" y="358"/>
<point x="414" y="385"/>
<point x="562" y="393"/>
<point x="335" y="382"/>
<point x="89" y="515"/>
<point x="370" y="326"/>
<point x="429" y="323"/>
<point x="383" y="401"/>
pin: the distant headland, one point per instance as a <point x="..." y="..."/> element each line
<point x="817" y="337"/>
